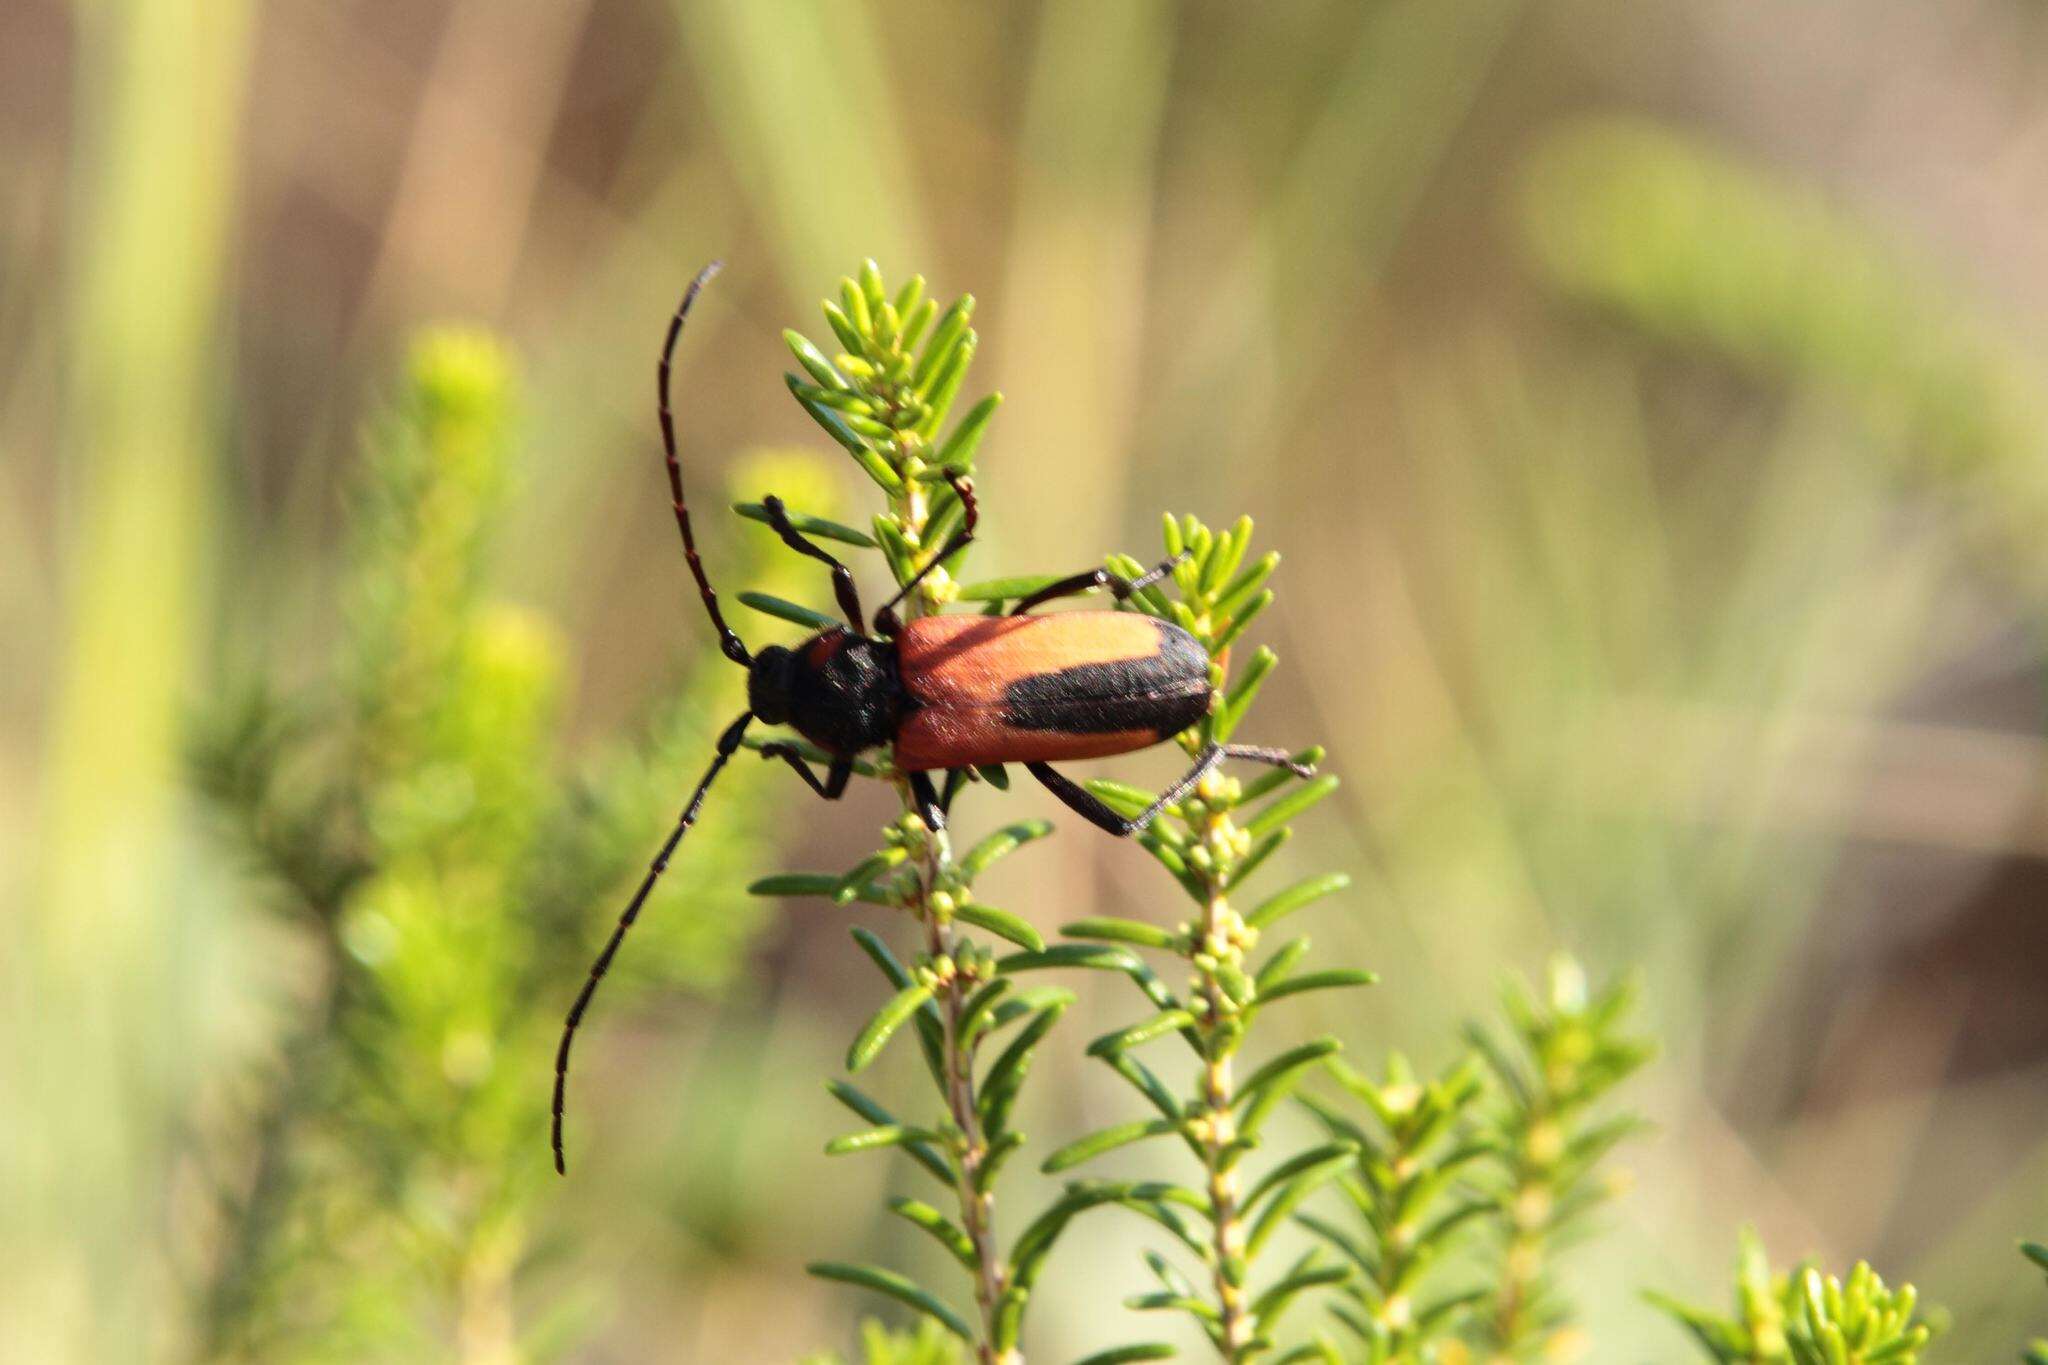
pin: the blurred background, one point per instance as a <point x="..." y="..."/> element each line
<point x="1648" y="401"/>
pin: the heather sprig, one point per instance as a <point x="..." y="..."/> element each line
<point x="885" y="397"/>
<point x="1211" y="844"/>
<point x="1806" y="1317"/>
<point x="1548" y="1136"/>
<point x="1409" y="1208"/>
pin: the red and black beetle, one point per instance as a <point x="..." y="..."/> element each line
<point x="945" y="692"/>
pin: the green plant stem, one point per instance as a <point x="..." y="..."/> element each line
<point x="977" y="1204"/>
<point x="1522" y="1265"/>
<point x="236" y="1270"/>
<point x="1218" y="1093"/>
<point x="977" y="1200"/>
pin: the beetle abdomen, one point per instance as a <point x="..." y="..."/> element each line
<point x="1017" y="689"/>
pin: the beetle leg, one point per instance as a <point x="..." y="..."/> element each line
<point x="1119" y="587"/>
<point x="956" y="778"/>
<point x="886" y="624"/>
<point x="836" y="776"/>
<point x="842" y="577"/>
<point x="928" y="808"/>
<point x="1271" y="757"/>
<point x="1098" y="813"/>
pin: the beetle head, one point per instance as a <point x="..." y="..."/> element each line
<point x="769" y="681"/>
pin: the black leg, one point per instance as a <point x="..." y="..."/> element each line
<point x="836" y="776"/>
<point x="886" y="624"/>
<point x="928" y="808"/>
<point x="1119" y="587"/>
<point x="842" y="577"/>
<point x="1271" y="757"/>
<point x="1092" y="809"/>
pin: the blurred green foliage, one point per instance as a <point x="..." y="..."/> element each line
<point x="1803" y="1317"/>
<point x="1408" y="1205"/>
<point x="1704" y="249"/>
<point x="1470" y="1184"/>
<point x="930" y="1344"/>
<point x="411" y="818"/>
<point x="1546" y="1141"/>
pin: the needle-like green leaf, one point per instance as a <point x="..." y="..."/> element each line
<point x="809" y="525"/>
<point x="1105" y="1140"/>
<point x="1302" y="893"/>
<point x="1005" y="589"/>
<point x="1001" y="923"/>
<point x="1112" y="930"/>
<point x="958" y="449"/>
<point x="1291" y="805"/>
<point x="1005" y="1079"/>
<point x="873" y="1139"/>
<point x="787" y="611"/>
<point x="896" y="1287"/>
<point x="942" y="1229"/>
<point x="877" y="1032"/>
<point x="1001" y="844"/>
<point x="1122" y="1355"/>
<point x="1335" y="979"/>
<point x="1144" y="1031"/>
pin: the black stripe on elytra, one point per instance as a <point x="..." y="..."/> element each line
<point x="1165" y="692"/>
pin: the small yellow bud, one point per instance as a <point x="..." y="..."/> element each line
<point x="1532" y="1207"/>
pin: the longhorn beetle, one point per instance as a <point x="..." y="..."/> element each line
<point x="946" y="692"/>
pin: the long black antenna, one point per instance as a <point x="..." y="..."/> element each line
<point x="728" y="642"/>
<point x="727" y="743"/>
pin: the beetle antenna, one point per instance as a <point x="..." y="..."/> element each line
<point x="727" y="744"/>
<point x="728" y="641"/>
